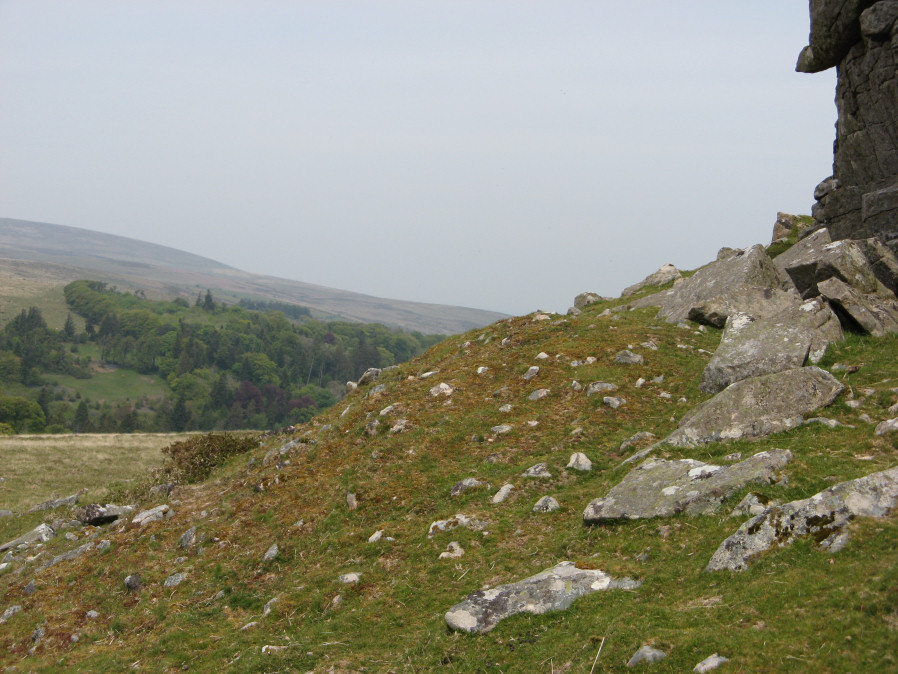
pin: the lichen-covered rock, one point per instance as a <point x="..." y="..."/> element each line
<point x="877" y="316"/>
<point x="664" y="275"/>
<point x="40" y="534"/>
<point x="579" y="461"/>
<point x="96" y="515"/>
<point x="844" y="260"/>
<point x="627" y="357"/>
<point x="156" y="514"/>
<point x="823" y="516"/>
<point x="756" y="302"/>
<point x="752" y="268"/>
<point x="751" y="347"/>
<point x="757" y="407"/>
<point x="661" y="488"/>
<point x="546" y="504"/>
<point x="459" y="520"/>
<point x="646" y="654"/>
<point x="552" y="590"/>
<point x="465" y="485"/>
<point x="597" y="387"/>
<point x="502" y="494"/>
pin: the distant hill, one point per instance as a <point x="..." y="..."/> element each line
<point x="35" y="255"/>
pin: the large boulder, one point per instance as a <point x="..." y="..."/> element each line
<point x="664" y="275"/>
<point x="750" y="348"/>
<point x="756" y="302"/>
<point x="661" y="488"/>
<point x="874" y="315"/>
<point x="40" y="534"/>
<point x="844" y="260"/>
<point x="552" y="590"/>
<point x="757" y="407"/>
<point x="752" y="268"/>
<point x="823" y="516"/>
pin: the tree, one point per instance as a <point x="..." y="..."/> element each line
<point x="180" y="415"/>
<point x="81" y="422"/>
<point x="208" y="302"/>
<point x="69" y="328"/>
<point x="22" y="415"/>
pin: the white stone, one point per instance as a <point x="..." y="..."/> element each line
<point x="350" y="578"/>
<point x="376" y="536"/>
<point x="502" y="494"/>
<point x="579" y="461"/>
<point x="453" y="551"/>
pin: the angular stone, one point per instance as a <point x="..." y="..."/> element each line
<point x="844" y="260"/>
<point x="370" y="375"/>
<point x="502" y="494"/>
<point x="756" y="302"/>
<point x="453" y="551"/>
<point x="600" y="387"/>
<point x="757" y="407"/>
<point x="539" y="394"/>
<point x="554" y="589"/>
<point x="97" y="515"/>
<point x="56" y="503"/>
<point x="546" y="504"/>
<point x="824" y="516"/>
<point x="882" y="261"/>
<point x="750" y="348"/>
<point x="537" y="470"/>
<point x="646" y="654"/>
<point x="888" y="426"/>
<point x="613" y="402"/>
<point x="876" y="316"/>
<point x="579" y="461"/>
<point x="665" y="274"/>
<point x="40" y="534"/>
<point x="752" y="268"/>
<point x="531" y="372"/>
<point x="660" y="488"/>
<point x="465" y="485"/>
<point x="188" y="538"/>
<point x="628" y="358"/>
<point x="156" y="514"/>
<point x="713" y="661"/>
<point x="271" y="552"/>
<point x="174" y="580"/>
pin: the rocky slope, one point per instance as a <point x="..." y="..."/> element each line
<point x="548" y="493"/>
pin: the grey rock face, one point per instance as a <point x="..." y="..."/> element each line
<point x="861" y="197"/>
<point x="756" y="302"/>
<point x="752" y="268"/>
<point x="823" y="515"/>
<point x="466" y="484"/>
<point x="660" y="488"/>
<point x="368" y="376"/>
<point x="844" y="260"/>
<point x="40" y="534"/>
<point x="757" y="407"/>
<point x="585" y="299"/>
<point x="552" y="590"/>
<point x="56" y="503"/>
<point x="664" y="275"/>
<point x="546" y="504"/>
<point x="876" y="316"/>
<point x="97" y="515"/>
<point x="750" y="348"/>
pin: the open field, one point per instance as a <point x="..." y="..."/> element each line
<point x="37" y="468"/>
<point x="115" y="385"/>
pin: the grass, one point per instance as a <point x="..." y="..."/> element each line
<point x="113" y="386"/>
<point x="795" y="609"/>
<point x="37" y="468"/>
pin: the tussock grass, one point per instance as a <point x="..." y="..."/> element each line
<point x="795" y="609"/>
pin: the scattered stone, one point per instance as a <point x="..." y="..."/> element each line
<point x="38" y="634"/>
<point x="823" y="421"/>
<point x="174" y="580"/>
<point x="552" y="590"/>
<point x="376" y="536"/>
<point x="441" y="389"/>
<point x="250" y="625"/>
<point x="351" y="501"/>
<point x="269" y="605"/>
<point x="350" y="578"/>
<point x="156" y="514"/>
<point x="640" y="438"/>
<point x="627" y="357"/>
<point x="614" y="402"/>
<point x="661" y="488"/>
<point x="6" y="513"/>
<point x="370" y="375"/>
<point x="888" y="426"/>
<point x="483" y="369"/>
<point x="823" y="515"/>
<point x="542" y="355"/>
<point x="57" y="503"/>
<point x="67" y="556"/>
<point x="539" y="394"/>
<point x="9" y="613"/>
<point x="576" y="386"/>
<point x="877" y="316"/>
<point x="92" y="615"/>
<point x="757" y="407"/>
<point x="161" y="490"/>
<point x="600" y="387"/>
<point x="376" y="391"/>
<point x="752" y="504"/>
<point x="96" y="514"/>
<point x="133" y="582"/>
<point x="546" y="504"/>
<point x="502" y="429"/>
<point x="537" y="470"/>
<point x="188" y="538"/>
<point x="505" y="408"/>
<point x="711" y="662"/>
<point x="371" y="428"/>
<point x="465" y="485"/>
<point x="579" y="461"/>
<point x="453" y="551"/>
<point x="401" y="426"/>
<point x="29" y="589"/>
<point x="665" y="274"/>
<point x="531" y="372"/>
<point x="460" y="520"/>
<point x="646" y="654"/>
<point x="40" y="534"/>
<point x="502" y="494"/>
<point x="271" y="553"/>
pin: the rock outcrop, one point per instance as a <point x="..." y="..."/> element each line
<point x="552" y="590"/>
<point x="823" y="516"/>
<point x="860" y="199"/>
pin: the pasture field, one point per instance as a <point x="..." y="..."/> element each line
<point x="37" y="468"/>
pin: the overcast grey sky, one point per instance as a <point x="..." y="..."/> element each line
<point x="499" y="154"/>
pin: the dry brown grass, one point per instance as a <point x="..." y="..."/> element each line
<point x="36" y="468"/>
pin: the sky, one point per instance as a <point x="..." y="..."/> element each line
<point x="497" y="154"/>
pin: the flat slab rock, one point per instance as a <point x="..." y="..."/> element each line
<point x="661" y="488"/>
<point x="877" y="316"/>
<point x="757" y="407"/>
<point x="751" y="347"/>
<point x="554" y="589"/>
<point x="823" y="516"/>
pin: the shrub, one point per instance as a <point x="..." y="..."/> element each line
<point x="194" y="459"/>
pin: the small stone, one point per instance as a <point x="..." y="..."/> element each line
<point x="453" y="551"/>
<point x="646" y="654"/>
<point x="351" y="501"/>
<point x="269" y="605"/>
<point x="350" y="578"/>
<point x="174" y="580"/>
<point x="600" y="387"/>
<point x="887" y="426"/>
<point x="531" y="372"/>
<point x="579" y="461"/>
<point x="9" y="613"/>
<point x="156" y="514"/>
<point x="465" y="485"/>
<point x="546" y="504"/>
<point x="627" y="357"/>
<point x="28" y="590"/>
<point x="711" y="662"/>
<point x="482" y="369"/>
<point x="505" y="408"/>
<point x="371" y="428"/>
<point x="613" y="402"/>
<point x="441" y="389"/>
<point x="92" y="615"/>
<point x="538" y="470"/>
<point x="271" y="553"/>
<point x="376" y="536"/>
<point x="502" y="494"/>
<point x="188" y="538"/>
<point x="502" y="429"/>
<point x="576" y="386"/>
<point x="538" y="394"/>
<point x="133" y="582"/>
<point x="542" y="355"/>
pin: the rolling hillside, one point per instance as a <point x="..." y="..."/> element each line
<point x="36" y="257"/>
